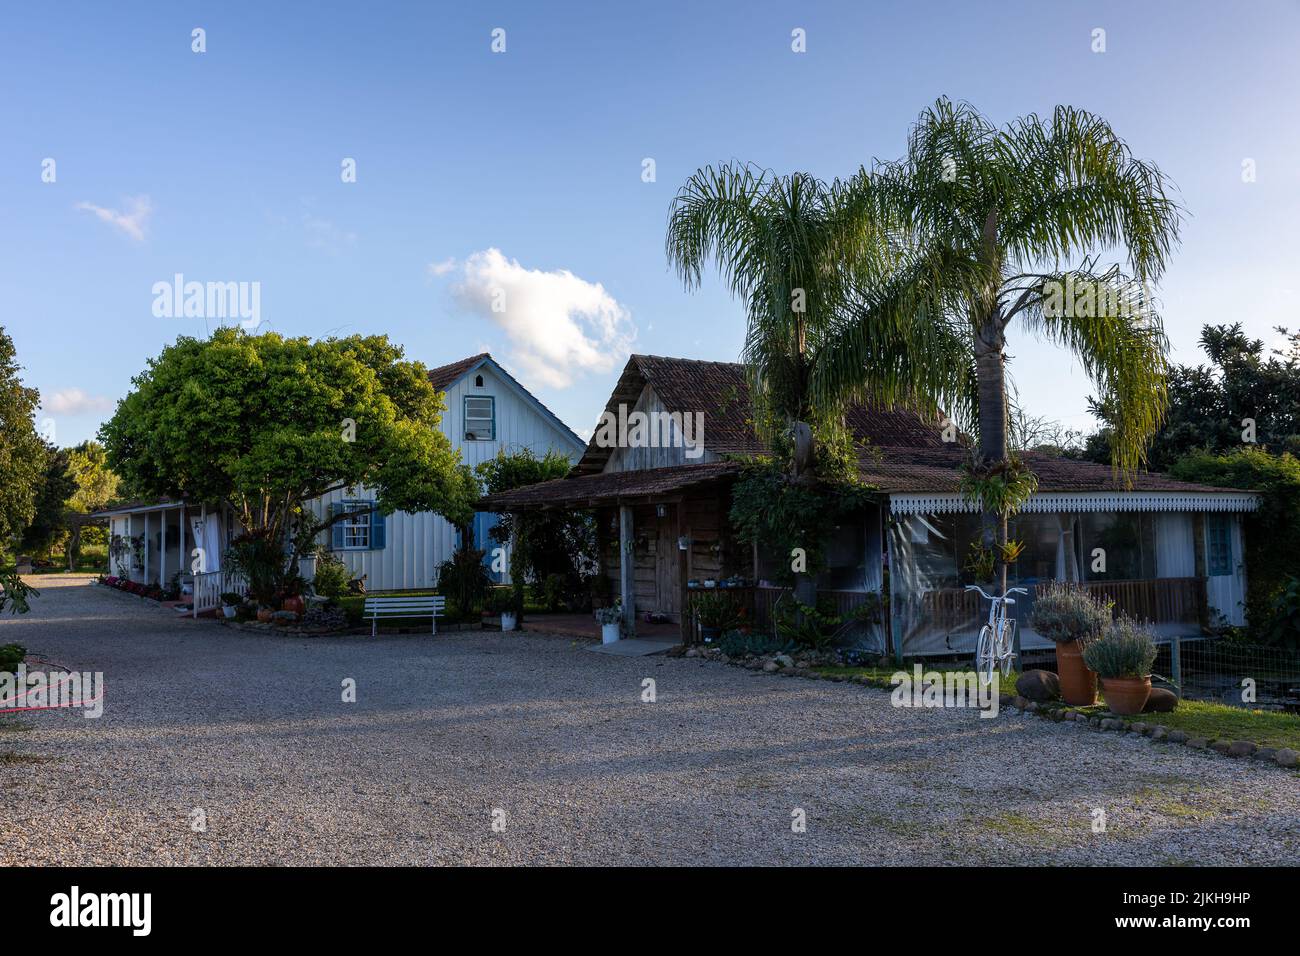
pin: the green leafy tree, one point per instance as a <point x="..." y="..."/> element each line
<point x="1247" y="395"/>
<point x="1008" y="225"/>
<point x="22" y="453"/>
<point x="96" y="483"/>
<point x="265" y="423"/>
<point x="49" y="522"/>
<point x="543" y="545"/>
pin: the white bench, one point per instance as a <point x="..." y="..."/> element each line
<point x="428" y="605"/>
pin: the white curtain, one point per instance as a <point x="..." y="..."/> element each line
<point x="1175" y="545"/>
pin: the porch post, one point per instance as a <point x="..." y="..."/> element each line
<point x="146" y="547"/>
<point x="626" y="570"/>
<point x="162" y="550"/>
<point x="683" y="575"/>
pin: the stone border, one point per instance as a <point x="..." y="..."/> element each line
<point x="1104" y="720"/>
<point x="1283" y="757"/>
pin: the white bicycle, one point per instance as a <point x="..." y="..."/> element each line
<point x="996" y="646"/>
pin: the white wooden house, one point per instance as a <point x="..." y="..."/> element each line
<point x="487" y="411"/>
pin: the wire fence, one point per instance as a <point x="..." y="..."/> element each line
<point x="1230" y="672"/>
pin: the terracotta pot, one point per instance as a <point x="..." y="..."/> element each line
<point x="1126" y="695"/>
<point x="1078" y="684"/>
<point x="293" y="603"/>
<point x="264" y="614"/>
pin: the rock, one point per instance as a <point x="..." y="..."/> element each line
<point x="801" y="664"/>
<point x="1019" y="702"/>
<point x="783" y="660"/>
<point x="1221" y="746"/>
<point x="1039" y="685"/>
<point x="1241" y="748"/>
<point x="1110" y="723"/>
<point x="1199" y="743"/>
<point x="1286" y="757"/>
<point x="770" y="666"/>
<point x="724" y="658"/>
<point x="1265" y="753"/>
<point x="1032" y="707"/>
<point x="1094" y="721"/>
<point x="1161" y="701"/>
<point x="692" y="652"/>
<point x="1138" y="727"/>
<point x="1177" y="737"/>
<point x="1159" y="733"/>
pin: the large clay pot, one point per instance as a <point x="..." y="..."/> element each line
<point x="264" y="614"/>
<point x="1126" y="695"/>
<point x="292" y="603"/>
<point x="1078" y="684"/>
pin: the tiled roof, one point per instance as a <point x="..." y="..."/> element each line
<point x="719" y="390"/>
<point x="445" y="375"/>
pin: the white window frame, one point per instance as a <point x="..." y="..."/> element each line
<point x="356" y="531"/>
<point x="491" y="418"/>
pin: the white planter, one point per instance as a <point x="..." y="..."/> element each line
<point x="508" y="620"/>
<point x="609" y="633"/>
<point x="228" y="610"/>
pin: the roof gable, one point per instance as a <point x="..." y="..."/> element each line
<point x="445" y="376"/>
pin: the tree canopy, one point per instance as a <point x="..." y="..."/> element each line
<point x="22" y="452"/>
<point x="265" y="423"/>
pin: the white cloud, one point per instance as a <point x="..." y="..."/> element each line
<point x="73" y="401"/>
<point x="559" y="325"/>
<point x="440" y="268"/>
<point x="132" y="222"/>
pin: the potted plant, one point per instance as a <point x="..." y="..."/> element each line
<point x="1123" y="658"/>
<point x="609" y="618"/>
<point x="1072" y="618"/>
<point x="230" y="602"/>
<point x="264" y="612"/>
<point x="501" y="601"/>
<point x="714" y="613"/>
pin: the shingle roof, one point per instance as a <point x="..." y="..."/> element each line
<point x="719" y="390"/>
<point x="445" y="375"/>
<point x="586" y="490"/>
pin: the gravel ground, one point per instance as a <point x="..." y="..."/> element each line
<point x="555" y="741"/>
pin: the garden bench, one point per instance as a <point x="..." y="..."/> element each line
<point x="430" y="605"/>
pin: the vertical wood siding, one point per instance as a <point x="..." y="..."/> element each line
<point x="418" y="543"/>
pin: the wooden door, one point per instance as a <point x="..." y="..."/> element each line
<point x="667" y="564"/>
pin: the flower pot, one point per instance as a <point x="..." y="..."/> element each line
<point x="609" y="633"/>
<point x="1078" y="684"/>
<point x="508" y="620"/>
<point x="264" y="614"/>
<point x="292" y="603"/>
<point x="1126" y="695"/>
<point x="229" y="610"/>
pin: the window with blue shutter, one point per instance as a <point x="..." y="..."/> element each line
<point x="484" y="522"/>
<point x="363" y="532"/>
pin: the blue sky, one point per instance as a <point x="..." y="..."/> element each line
<point x="225" y="165"/>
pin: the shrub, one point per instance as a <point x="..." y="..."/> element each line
<point x="231" y="599"/>
<point x="610" y="614"/>
<point x="11" y="655"/>
<point x="332" y="576"/>
<point x="1067" y="612"/>
<point x="553" y="589"/>
<point x="1125" y="650"/>
<point x="464" y="581"/>
<point x="713" y="610"/>
<point x="1281" y="618"/>
<point x="807" y="626"/>
<point x="499" y="600"/>
<point x="739" y="644"/>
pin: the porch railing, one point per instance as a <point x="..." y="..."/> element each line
<point x="1158" y="600"/>
<point x="209" y="586"/>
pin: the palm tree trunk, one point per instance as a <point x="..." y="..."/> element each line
<point x="990" y="372"/>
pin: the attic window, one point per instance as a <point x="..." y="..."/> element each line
<point x="480" y="418"/>
<point x="478" y="381"/>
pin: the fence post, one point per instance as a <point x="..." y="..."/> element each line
<point x="1176" y="663"/>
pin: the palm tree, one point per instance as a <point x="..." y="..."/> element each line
<point x="1008" y="225"/>
<point x="799" y="253"/>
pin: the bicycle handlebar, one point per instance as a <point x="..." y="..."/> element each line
<point x="990" y="597"/>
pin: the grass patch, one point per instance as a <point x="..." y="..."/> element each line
<point x="881" y="676"/>
<point x="1009" y="823"/>
<point x="10" y="758"/>
<point x="1220" y="722"/>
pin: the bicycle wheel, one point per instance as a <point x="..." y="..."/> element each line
<point x="1006" y="647"/>
<point x="985" y="656"/>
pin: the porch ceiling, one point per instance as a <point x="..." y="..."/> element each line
<point x="610" y="487"/>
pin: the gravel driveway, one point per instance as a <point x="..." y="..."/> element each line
<point x="449" y="734"/>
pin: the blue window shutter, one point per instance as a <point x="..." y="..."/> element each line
<point x="336" y="532"/>
<point x="376" y="531"/>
